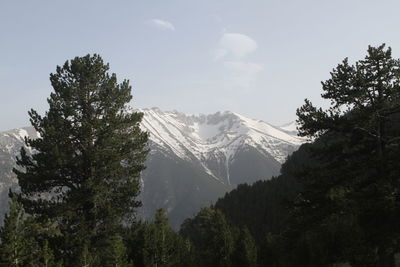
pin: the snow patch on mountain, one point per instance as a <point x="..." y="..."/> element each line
<point x="290" y="127"/>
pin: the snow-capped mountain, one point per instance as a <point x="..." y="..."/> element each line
<point x="194" y="159"/>
<point x="202" y="137"/>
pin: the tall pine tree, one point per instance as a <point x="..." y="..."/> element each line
<point x="357" y="181"/>
<point x="84" y="172"/>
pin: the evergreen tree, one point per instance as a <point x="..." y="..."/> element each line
<point x="84" y="173"/>
<point x="86" y="258"/>
<point x="245" y="252"/>
<point x="357" y="178"/>
<point x="16" y="248"/>
<point x="156" y="244"/>
<point x="211" y="237"/>
<point x="47" y="258"/>
<point x="116" y="255"/>
<point x="162" y="245"/>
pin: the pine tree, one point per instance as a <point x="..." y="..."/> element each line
<point x="86" y="258"/>
<point x="84" y="174"/>
<point x="15" y="246"/>
<point x="245" y="253"/>
<point x="164" y="239"/>
<point x="115" y="253"/>
<point x="211" y="237"/>
<point x="162" y="246"/>
<point x="47" y="258"/>
<point x="357" y="148"/>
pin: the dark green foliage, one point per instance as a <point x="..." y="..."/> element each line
<point x="21" y="240"/>
<point x="211" y="237"/>
<point x="47" y="258"/>
<point x="16" y="246"/>
<point x="156" y="244"/>
<point x="245" y="251"/>
<point x="115" y="255"/>
<point x="86" y="258"/>
<point x="84" y="174"/>
<point x="111" y="252"/>
<point x="160" y="247"/>
<point x="272" y="251"/>
<point x="213" y="241"/>
<point x="354" y="188"/>
<point x="262" y="206"/>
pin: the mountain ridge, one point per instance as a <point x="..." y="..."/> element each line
<point x="199" y="136"/>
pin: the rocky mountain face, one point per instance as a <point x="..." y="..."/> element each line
<point x="194" y="159"/>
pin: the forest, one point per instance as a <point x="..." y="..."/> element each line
<point x="335" y="203"/>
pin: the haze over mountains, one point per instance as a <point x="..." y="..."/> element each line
<point x="194" y="159"/>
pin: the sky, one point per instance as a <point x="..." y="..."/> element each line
<point x="259" y="58"/>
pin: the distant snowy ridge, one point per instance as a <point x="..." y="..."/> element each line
<point x="200" y="137"/>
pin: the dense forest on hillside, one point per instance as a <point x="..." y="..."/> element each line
<point x="336" y="201"/>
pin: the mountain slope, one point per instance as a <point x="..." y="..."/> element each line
<point x="194" y="159"/>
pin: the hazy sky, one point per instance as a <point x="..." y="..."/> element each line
<point x="258" y="58"/>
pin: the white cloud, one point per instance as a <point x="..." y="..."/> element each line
<point x="232" y="50"/>
<point x="242" y="74"/>
<point x="163" y="24"/>
<point x="236" y="45"/>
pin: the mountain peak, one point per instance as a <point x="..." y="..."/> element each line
<point x="202" y="136"/>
